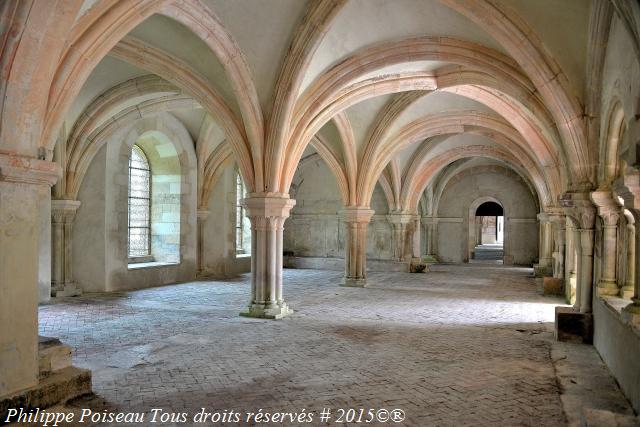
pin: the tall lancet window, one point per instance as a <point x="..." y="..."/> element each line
<point x="139" y="204"/>
<point x="243" y="226"/>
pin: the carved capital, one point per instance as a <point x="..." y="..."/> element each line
<point x="608" y="207"/>
<point x="64" y="211"/>
<point x="267" y="205"/>
<point x="357" y="214"/>
<point x="578" y="206"/>
<point x="610" y="217"/>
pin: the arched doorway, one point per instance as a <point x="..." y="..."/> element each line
<point x="487" y="232"/>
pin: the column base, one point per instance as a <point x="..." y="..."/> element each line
<point x="58" y="382"/>
<point x="354" y="283"/>
<point x="66" y="290"/>
<point x="264" y="311"/>
<point x="607" y="287"/>
<point x="430" y="259"/>
<point x="542" y="270"/>
<point x="573" y="326"/>
<point x="631" y="313"/>
<point x="627" y="291"/>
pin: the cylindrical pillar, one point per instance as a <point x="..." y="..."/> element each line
<point x="585" y="275"/>
<point x="356" y="221"/>
<point x="607" y="285"/>
<point x="267" y="213"/>
<point x="202" y="215"/>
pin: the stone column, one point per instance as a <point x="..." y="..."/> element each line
<point x="570" y="260"/>
<point x="545" y="263"/>
<point x="355" y="255"/>
<point x="582" y="213"/>
<point x="429" y="225"/>
<point x="267" y="212"/>
<point x="631" y="313"/>
<point x="202" y="215"/>
<point x="63" y="212"/>
<point x="627" y="290"/>
<point x="401" y="224"/>
<point x="559" y="239"/>
<point x="434" y="238"/>
<point x="585" y="274"/>
<point x="416" y="247"/>
<point x="609" y="211"/>
<point x="628" y="188"/>
<point x="22" y="181"/>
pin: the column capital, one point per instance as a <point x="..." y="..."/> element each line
<point x="202" y="214"/>
<point x="28" y="170"/>
<point x="579" y="207"/>
<point x="64" y="210"/>
<point x="608" y="207"/>
<point x="543" y="217"/>
<point x="268" y="205"/>
<point x="356" y="214"/>
<point x="401" y="217"/>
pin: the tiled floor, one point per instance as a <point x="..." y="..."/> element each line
<point x="461" y="345"/>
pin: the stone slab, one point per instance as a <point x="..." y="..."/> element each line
<point x="572" y="326"/>
<point x="602" y="418"/>
<point x="552" y="286"/>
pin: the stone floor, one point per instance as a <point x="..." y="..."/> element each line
<point x="460" y="345"/>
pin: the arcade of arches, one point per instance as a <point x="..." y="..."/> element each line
<point x="234" y="148"/>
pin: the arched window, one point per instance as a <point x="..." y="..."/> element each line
<point x="243" y="228"/>
<point x="139" y="236"/>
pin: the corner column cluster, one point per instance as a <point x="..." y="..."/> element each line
<point x="63" y="213"/>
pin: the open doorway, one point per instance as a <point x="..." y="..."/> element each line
<point x="489" y="232"/>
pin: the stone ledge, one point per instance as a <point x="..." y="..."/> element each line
<point x="57" y="388"/>
<point x="154" y="264"/>
<point x="618" y="307"/>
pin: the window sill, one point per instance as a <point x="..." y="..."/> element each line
<point x="243" y="255"/>
<point x="154" y="264"/>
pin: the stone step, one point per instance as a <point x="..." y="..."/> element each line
<point x="603" y="418"/>
<point x="52" y="356"/>
<point x="55" y="389"/>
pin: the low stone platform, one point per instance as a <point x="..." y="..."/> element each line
<point x="552" y="286"/>
<point x="59" y="381"/>
<point x="572" y="326"/>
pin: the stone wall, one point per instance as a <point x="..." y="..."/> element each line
<point x="219" y="251"/>
<point x="314" y="228"/>
<point x="521" y="228"/>
<point x="100" y="231"/>
<point x="619" y="346"/>
<point x="616" y="341"/>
